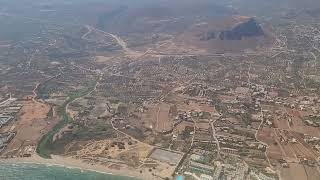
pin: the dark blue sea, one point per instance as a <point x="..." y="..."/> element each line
<point x="24" y="171"/>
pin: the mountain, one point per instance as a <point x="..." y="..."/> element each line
<point x="228" y="34"/>
<point x="249" y="28"/>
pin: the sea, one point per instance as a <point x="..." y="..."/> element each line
<point x="26" y="171"/>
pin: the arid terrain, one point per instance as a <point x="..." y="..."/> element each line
<point x="208" y="90"/>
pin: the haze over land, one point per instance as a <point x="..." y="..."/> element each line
<point x="216" y="89"/>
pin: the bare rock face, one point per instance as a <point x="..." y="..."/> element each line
<point x="249" y="28"/>
<point x="228" y="34"/>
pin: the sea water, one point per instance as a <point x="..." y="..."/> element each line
<point x="24" y="171"/>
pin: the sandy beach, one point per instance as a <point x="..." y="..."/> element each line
<point x="80" y="164"/>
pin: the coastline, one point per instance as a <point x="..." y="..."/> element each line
<point x="73" y="163"/>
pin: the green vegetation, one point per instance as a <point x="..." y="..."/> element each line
<point x="314" y="119"/>
<point x="50" y="113"/>
<point x="246" y="118"/>
<point x="44" y="146"/>
<point x="296" y="72"/>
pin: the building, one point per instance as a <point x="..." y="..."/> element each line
<point x="201" y="167"/>
<point x="205" y="177"/>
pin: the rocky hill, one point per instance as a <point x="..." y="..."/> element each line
<point x="249" y="28"/>
<point x="229" y="34"/>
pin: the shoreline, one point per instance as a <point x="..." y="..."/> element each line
<point x="73" y="163"/>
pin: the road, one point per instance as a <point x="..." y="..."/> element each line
<point x="215" y="138"/>
<point x="249" y="74"/>
<point x="127" y="135"/>
<point x="158" y="112"/>
<point x="94" y="89"/>
<point x="256" y="137"/>
<point x="124" y="45"/>
<point x="119" y="40"/>
<point x="87" y="33"/>
<point x="7" y="101"/>
<point x="34" y="91"/>
<point x="194" y="133"/>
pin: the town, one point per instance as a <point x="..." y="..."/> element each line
<point x="162" y="104"/>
